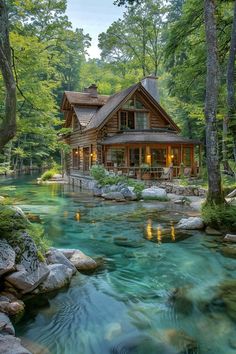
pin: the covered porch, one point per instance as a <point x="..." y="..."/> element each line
<point x="161" y="156"/>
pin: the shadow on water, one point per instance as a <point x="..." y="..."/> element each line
<point x="154" y="291"/>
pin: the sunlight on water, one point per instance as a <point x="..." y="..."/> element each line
<point x="153" y="293"/>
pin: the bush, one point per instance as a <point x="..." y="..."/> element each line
<point x="220" y="216"/>
<point x="98" y="172"/>
<point x="49" y="174"/>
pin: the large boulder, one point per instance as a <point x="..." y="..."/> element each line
<point x="117" y="196"/>
<point x="192" y="223"/>
<point x="7" y="257"/>
<point x="27" y="280"/>
<point x="59" y="276"/>
<point x="80" y="260"/>
<point x="54" y="256"/>
<point x="154" y="193"/>
<point x="11" y="345"/>
<point x="128" y="193"/>
<point x="11" y="308"/>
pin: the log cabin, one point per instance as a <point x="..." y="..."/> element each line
<point x="128" y="133"/>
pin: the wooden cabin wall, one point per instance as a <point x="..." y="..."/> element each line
<point x="156" y="121"/>
<point x="112" y="126"/>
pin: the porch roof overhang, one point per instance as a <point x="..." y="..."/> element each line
<point x="148" y="137"/>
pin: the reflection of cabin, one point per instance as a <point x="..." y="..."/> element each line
<point x="128" y="132"/>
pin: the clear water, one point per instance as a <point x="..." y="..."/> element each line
<point x="125" y="306"/>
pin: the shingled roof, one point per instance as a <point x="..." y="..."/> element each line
<point x="84" y="99"/>
<point x="111" y="105"/>
<point x="147" y="137"/>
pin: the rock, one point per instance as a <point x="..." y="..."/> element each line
<point x="231" y="194"/>
<point x="139" y="344"/>
<point x="181" y="301"/>
<point x="117" y="196"/>
<point x="210" y="231"/>
<point x="12" y="308"/>
<point x="11" y="345"/>
<point x="128" y="243"/>
<point x="128" y="194"/>
<point x="229" y="251"/>
<point x="232" y="343"/>
<point x="2" y="199"/>
<point x="6" y="326"/>
<point x="57" y="176"/>
<point x="27" y="280"/>
<point x="34" y="347"/>
<point x="230" y="238"/>
<point x="54" y="256"/>
<point x="181" y="341"/>
<point x="97" y="192"/>
<point x="192" y="223"/>
<point x="7" y="258"/>
<point x="227" y="292"/>
<point x="33" y="218"/>
<point x="113" y="330"/>
<point x="59" y="276"/>
<point x="83" y="262"/>
<point x="154" y="192"/>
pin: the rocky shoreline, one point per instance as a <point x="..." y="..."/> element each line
<point x="24" y="271"/>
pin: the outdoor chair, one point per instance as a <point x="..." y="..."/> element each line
<point x="167" y="173"/>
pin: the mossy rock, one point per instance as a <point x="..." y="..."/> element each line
<point x="229" y="251"/>
<point x="11" y="220"/>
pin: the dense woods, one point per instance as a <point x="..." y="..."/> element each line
<point x="193" y="58"/>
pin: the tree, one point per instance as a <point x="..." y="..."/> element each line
<point x="8" y="121"/>
<point x="215" y="194"/>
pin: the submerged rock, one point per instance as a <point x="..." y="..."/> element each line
<point x="210" y="231"/>
<point x="26" y="281"/>
<point x="181" y="301"/>
<point x="7" y="257"/>
<point x="59" y="276"/>
<point x="54" y="256"/>
<point x="192" y="223"/>
<point x="140" y="344"/>
<point x="11" y="345"/>
<point x="181" y="341"/>
<point x="227" y="292"/>
<point x="229" y="251"/>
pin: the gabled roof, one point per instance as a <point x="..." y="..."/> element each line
<point x="111" y="106"/>
<point x="115" y="102"/>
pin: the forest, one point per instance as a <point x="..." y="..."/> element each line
<point x="167" y="39"/>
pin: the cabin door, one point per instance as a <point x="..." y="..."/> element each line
<point x="86" y="158"/>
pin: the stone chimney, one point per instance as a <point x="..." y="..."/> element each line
<point x="92" y="90"/>
<point x="150" y="84"/>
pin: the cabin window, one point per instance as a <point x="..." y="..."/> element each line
<point x="175" y="156"/>
<point x="75" y="158"/>
<point x="187" y="156"/>
<point x="116" y="156"/>
<point x="133" y="120"/>
<point x="133" y="103"/>
<point x="136" y="156"/>
<point x="158" y="157"/>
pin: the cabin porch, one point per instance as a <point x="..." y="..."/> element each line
<point x="141" y="161"/>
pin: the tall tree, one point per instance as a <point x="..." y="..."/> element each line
<point x="215" y="194"/>
<point x="8" y="121"/>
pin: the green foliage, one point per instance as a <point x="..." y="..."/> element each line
<point x="13" y="223"/>
<point x="98" y="172"/>
<point x="220" y="216"/>
<point x="47" y="175"/>
<point x="160" y="199"/>
<point x="138" y="187"/>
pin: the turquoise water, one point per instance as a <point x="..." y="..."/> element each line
<point x="124" y="307"/>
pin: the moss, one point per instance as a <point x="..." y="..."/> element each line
<point x="160" y="199"/>
<point x="220" y="216"/>
<point x="13" y="224"/>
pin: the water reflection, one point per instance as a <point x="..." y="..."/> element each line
<point x="163" y="235"/>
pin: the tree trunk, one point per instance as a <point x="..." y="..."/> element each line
<point x="230" y="83"/>
<point x="215" y="194"/>
<point x="8" y="124"/>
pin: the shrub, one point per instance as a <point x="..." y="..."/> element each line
<point x="220" y="216"/>
<point x="48" y="174"/>
<point x="98" y="172"/>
